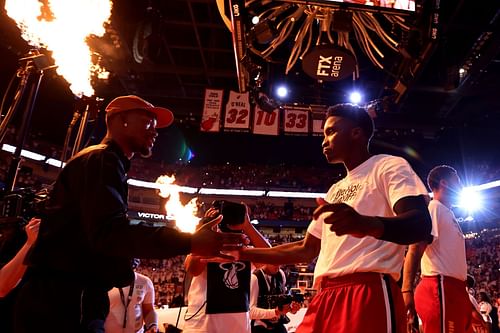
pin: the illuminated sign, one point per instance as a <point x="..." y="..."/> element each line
<point x="328" y="63"/>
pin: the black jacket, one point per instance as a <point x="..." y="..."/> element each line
<point x="86" y="233"/>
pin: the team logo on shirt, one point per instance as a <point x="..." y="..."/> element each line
<point x="346" y="194"/>
<point x="231" y="275"/>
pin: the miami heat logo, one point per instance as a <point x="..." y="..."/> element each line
<point x="231" y="275"/>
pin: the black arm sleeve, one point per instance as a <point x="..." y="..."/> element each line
<point x="412" y="223"/>
<point x="105" y="222"/>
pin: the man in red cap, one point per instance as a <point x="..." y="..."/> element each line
<point x="86" y="242"/>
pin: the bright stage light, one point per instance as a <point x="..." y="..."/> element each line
<point x="470" y="200"/>
<point x="282" y="91"/>
<point x="255" y="19"/>
<point x="355" y="97"/>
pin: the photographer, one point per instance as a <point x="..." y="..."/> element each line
<point x="12" y="267"/>
<point x="219" y="291"/>
<point x="268" y="308"/>
<point x="13" y="271"/>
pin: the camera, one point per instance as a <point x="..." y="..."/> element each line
<point x="278" y="301"/>
<point x="22" y="204"/>
<point x="233" y="214"/>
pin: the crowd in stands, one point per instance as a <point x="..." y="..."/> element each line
<point x="232" y="176"/>
<point x="168" y="278"/>
<point x="288" y="211"/>
<point x="483" y="257"/>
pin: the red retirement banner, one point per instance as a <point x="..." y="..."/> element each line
<point x="266" y="123"/>
<point x="296" y="121"/>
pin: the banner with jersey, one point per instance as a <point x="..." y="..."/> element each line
<point x="237" y="111"/>
<point x="228" y="287"/>
<point x="210" y="121"/>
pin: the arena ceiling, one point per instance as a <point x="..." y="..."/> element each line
<point x="189" y="48"/>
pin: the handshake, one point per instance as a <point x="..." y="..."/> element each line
<point x="224" y="223"/>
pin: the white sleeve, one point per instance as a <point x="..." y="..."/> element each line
<point x="435" y="212"/>
<point x="315" y="228"/>
<point x="255" y="312"/>
<point x="399" y="180"/>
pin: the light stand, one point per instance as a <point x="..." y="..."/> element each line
<point x="31" y="71"/>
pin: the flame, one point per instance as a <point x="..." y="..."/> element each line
<point x="62" y="26"/>
<point x="184" y="215"/>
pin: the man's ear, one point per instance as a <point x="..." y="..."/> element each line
<point x="357" y="133"/>
<point x="443" y="183"/>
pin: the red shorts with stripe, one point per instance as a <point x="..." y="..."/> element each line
<point x="443" y="305"/>
<point x="356" y="303"/>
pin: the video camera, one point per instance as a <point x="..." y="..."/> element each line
<point x="278" y="301"/>
<point x="21" y="205"/>
<point x="233" y="214"/>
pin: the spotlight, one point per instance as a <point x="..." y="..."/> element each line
<point x="282" y="91"/>
<point x="355" y="97"/>
<point x="255" y="19"/>
<point x="470" y="200"/>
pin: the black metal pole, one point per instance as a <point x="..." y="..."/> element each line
<point x="34" y="80"/>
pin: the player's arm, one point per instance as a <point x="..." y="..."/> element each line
<point x="411" y="224"/>
<point x="194" y="265"/>
<point x="150" y="317"/>
<point x="13" y="271"/>
<point x="256" y="238"/>
<point x="302" y="251"/>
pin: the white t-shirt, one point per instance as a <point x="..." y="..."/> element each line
<point x="143" y="292"/>
<point x="372" y="189"/>
<point x="446" y="254"/>
<point x="197" y="321"/>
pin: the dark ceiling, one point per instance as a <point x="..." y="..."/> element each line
<point x="439" y="114"/>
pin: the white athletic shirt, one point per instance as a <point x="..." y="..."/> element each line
<point x="143" y="293"/>
<point x="446" y="254"/>
<point x="372" y="189"/>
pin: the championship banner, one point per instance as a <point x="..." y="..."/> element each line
<point x="210" y="121"/>
<point x="266" y="123"/>
<point x="296" y="121"/>
<point x="237" y="111"/>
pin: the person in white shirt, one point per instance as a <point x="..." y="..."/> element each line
<point x="359" y="233"/>
<point x="218" y="297"/>
<point x="269" y="280"/>
<point x="441" y="299"/>
<point x="132" y="308"/>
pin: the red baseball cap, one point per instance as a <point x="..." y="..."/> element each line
<point x="164" y="117"/>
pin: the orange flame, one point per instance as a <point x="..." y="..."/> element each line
<point x="184" y="215"/>
<point x="62" y="26"/>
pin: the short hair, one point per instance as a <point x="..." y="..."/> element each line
<point x="439" y="173"/>
<point x="356" y="114"/>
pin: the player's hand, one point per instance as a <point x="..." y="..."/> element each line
<point x="411" y="313"/>
<point x="283" y="310"/>
<point x="207" y="241"/>
<point x="32" y="230"/>
<point x="152" y="329"/>
<point x="295" y="307"/>
<point x="344" y="220"/>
